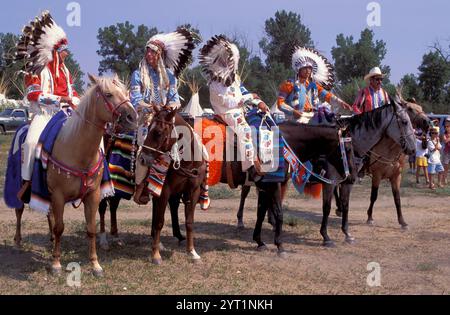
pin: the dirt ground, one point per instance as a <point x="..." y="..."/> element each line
<point x="416" y="261"/>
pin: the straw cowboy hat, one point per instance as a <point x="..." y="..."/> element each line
<point x="376" y="71"/>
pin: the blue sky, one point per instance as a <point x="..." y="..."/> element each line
<point x="408" y="27"/>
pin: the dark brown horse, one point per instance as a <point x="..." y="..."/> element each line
<point x="366" y="131"/>
<point x="309" y="142"/>
<point x="185" y="175"/>
<point x="386" y="161"/>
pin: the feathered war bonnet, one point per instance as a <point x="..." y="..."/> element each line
<point x="176" y="49"/>
<point x="40" y="42"/>
<point x="220" y="59"/>
<point x="322" y="70"/>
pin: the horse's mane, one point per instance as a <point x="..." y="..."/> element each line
<point x="74" y="123"/>
<point x="368" y="120"/>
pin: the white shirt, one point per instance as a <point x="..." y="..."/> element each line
<point x="226" y="98"/>
<point x="420" y="151"/>
<point x="435" y="156"/>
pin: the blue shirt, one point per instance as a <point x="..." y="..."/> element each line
<point x="137" y="92"/>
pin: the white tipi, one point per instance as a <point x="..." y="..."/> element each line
<point x="193" y="108"/>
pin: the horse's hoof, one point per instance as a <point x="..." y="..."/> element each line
<point x="338" y="213"/>
<point x="240" y="225"/>
<point x="350" y="240"/>
<point x="329" y="244"/>
<point x="157" y="261"/>
<point x="98" y="273"/>
<point x="56" y="271"/>
<point x="405" y="227"/>
<point x="262" y="248"/>
<point x="370" y="222"/>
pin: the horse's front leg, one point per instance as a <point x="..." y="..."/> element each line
<point x="395" y="184"/>
<point x="345" y="190"/>
<point x="326" y="207"/>
<point x="189" y="210"/>
<point x="159" y="208"/>
<point x="57" y="209"/>
<point x="18" y="236"/>
<point x="376" y="180"/>
<point x="91" y="203"/>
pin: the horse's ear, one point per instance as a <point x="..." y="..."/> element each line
<point x="156" y="108"/>
<point x="93" y="78"/>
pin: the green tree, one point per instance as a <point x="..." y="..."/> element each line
<point x="282" y="33"/>
<point x="410" y="87"/>
<point x="10" y="70"/>
<point x="77" y="74"/>
<point x="121" y="48"/>
<point x="353" y="60"/>
<point x="434" y="76"/>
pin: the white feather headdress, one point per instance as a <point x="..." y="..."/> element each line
<point x="323" y="71"/>
<point x="220" y="59"/>
<point x="177" y="47"/>
<point x="38" y="41"/>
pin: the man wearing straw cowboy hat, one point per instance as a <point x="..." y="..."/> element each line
<point x="373" y="95"/>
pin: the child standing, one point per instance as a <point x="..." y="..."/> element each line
<point x="434" y="161"/>
<point x="421" y="159"/>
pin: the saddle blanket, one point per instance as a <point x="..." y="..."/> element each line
<point x="40" y="196"/>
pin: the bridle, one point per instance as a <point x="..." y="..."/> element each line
<point x="173" y="152"/>
<point x="113" y="109"/>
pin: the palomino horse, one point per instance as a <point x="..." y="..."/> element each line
<point x="387" y="160"/>
<point x="76" y="152"/>
<point x="185" y="176"/>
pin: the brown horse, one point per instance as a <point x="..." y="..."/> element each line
<point x="76" y="152"/>
<point x="386" y="161"/>
<point x="185" y="176"/>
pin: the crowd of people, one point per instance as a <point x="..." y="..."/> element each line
<point x="432" y="156"/>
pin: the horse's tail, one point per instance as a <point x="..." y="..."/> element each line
<point x="13" y="177"/>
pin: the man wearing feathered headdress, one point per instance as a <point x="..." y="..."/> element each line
<point x="314" y="77"/>
<point x="220" y="59"/>
<point x="155" y="84"/>
<point x="43" y="47"/>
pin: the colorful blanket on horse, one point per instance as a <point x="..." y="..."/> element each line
<point x="121" y="159"/>
<point x="13" y="178"/>
<point x="278" y="169"/>
<point x="40" y="196"/>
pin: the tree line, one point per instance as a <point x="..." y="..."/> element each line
<point x="122" y="48"/>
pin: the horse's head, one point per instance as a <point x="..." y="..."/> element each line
<point x="159" y="139"/>
<point x="400" y="129"/>
<point x="112" y="103"/>
<point x="419" y="119"/>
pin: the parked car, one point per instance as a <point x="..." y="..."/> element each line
<point x="13" y="118"/>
